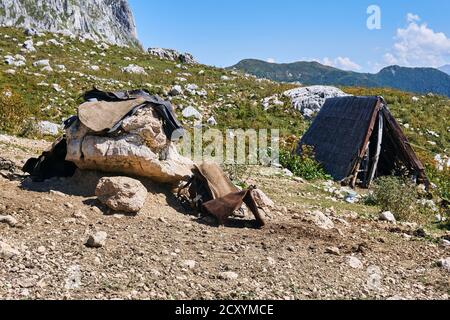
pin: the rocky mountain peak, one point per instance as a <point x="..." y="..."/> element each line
<point x="107" y="20"/>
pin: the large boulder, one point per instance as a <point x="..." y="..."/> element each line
<point x="122" y="194"/>
<point x="309" y="100"/>
<point x="141" y="148"/>
<point x="172" y="55"/>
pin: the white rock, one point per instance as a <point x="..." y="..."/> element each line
<point x="47" y="69"/>
<point x="191" y="112"/>
<point x="212" y="121"/>
<point x="10" y="71"/>
<point x="321" y="220"/>
<point x="47" y="128"/>
<point x="445" y="264"/>
<point x="7" y="252"/>
<point x="309" y="100"/>
<point x="9" y="220"/>
<point x="56" y="87"/>
<point x="354" y="262"/>
<point x="94" y="68"/>
<point x="190" y="264"/>
<point x="41" y="63"/>
<point x="287" y="172"/>
<point x="97" y="240"/>
<point x="122" y="194"/>
<point x="176" y="91"/>
<point x="387" y="216"/>
<point x="134" y="69"/>
<point x="229" y="275"/>
<point x="225" y="78"/>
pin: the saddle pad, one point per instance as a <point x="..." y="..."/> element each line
<point x="102" y="115"/>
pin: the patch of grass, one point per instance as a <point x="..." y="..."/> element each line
<point x="303" y="165"/>
<point x="400" y="196"/>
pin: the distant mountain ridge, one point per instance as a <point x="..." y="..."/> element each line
<point x="419" y="80"/>
<point x="445" y="69"/>
<point x="106" y="20"/>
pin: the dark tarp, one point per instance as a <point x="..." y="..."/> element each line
<point x="341" y="132"/>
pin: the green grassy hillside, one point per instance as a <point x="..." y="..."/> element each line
<point x="235" y="101"/>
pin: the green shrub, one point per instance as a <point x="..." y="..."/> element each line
<point x="304" y="165"/>
<point x="13" y="111"/>
<point x="400" y="196"/>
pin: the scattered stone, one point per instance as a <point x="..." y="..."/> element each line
<point x="333" y="250"/>
<point x="176" y="91"/>
<point x="134" y="69"/>
<point x="354" y="262"/>
<point x="47" y="128"/>
<point x="445" y="264"/>
<point x="387" y="216"/>
<point x="212" y="121"/>
<point x="41" y="250"/>
<point x="9" y="220"/>
<point x="189" y="264"/>
<point x="97" y="240"/>
<point x="122" y="194"/>
<point x="41" y="63"/>
<point x="191" y="112"/>
<point x="229" y="275"/>
<point x="287" y="172"/>
<point x="321" y="220"/>
<point x="262" y="200"/>
<point x="7" y="252"/>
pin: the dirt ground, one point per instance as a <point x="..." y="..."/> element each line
<point x="165" y="253"/>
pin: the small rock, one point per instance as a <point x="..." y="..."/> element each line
<point x="445" y="243"/>
<point x="387" y="216"/>
<point x="191" y="112"/>
<point x="445" y="264"/>
<point x="97" y="240"/>
<point x="190" y="264"/>
<point x="176" y="91"/>
<point x="229" y="275"/>
<point x="122" y="194"/>
<point x="262" y="200"/>
<point x="41" y="63"/>
<point x="134" y="69"/>
<point x="7" y="252"/>
<point x="321" y="220"/>
<point x="41" y="249"/>
<point x="354" y="262"/>
<point x="47" y="128"/>
<point x="333" y="250"/>
<point x="212" y="121"/>
<point x="288" y="173"/>
<point x="10" y="220"/>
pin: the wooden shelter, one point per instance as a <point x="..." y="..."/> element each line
<point x="357" y="140"/>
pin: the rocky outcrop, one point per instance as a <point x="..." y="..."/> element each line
<point x="309" y="100"/>
<point x="107" y="20"/>
<point x="172" y="55"/>
<point x="141" y="149"/>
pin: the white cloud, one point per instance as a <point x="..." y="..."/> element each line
<point x="271" y="60"/>
<point x="343" y="63"/>
<point x="410" y="17"/>
<point x="417" y="45"/>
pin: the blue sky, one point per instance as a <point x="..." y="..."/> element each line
<point x="221" y="33"/>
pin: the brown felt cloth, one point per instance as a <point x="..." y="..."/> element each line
<point x="102" y="115"/>
<point x="226" y="197"/>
